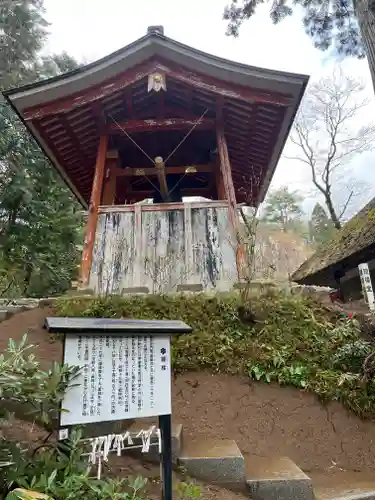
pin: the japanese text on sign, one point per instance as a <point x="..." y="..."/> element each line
<point x="364" y="274"/>
<point x="121" y="378"/>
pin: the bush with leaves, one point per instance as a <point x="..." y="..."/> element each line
<point x="291" y="340"/>
<point x="56" y="469"/>
<point x="350" y="357"/>
<point x="60" y="472"/>
<point x="35" y="395"/>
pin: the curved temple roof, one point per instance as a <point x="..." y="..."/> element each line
<point x="66" y="113"/>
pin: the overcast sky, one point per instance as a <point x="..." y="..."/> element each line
<point x="90" y="29"/>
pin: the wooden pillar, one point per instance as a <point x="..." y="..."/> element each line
<point x="219" y="181"/>
<point x="226" y="175"/>
<point x="159" y="165"/>
<point x="110" y="179"/>
<point x="90" y="230"/>
<point x="230" y="195"/>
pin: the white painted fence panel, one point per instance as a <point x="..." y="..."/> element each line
<point x="114" y="256"/>
<point x="214" y="262"/>
<point x="183" y="244"/>
<point x="163" y="250"/>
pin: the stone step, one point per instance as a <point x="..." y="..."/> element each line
<point x="216" y="461"/>
<point x="4" y="315"/>
<point x="344" y="485"/>
<point x="351" y="494"/>
<point x="24" y="301"/>
<point x="15" y="309"/>
<point x="153" y="454"/>
<point x="7" y="312"/>
<point x="277" y="478"/>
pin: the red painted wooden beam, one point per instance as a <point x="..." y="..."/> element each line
<point x="91" y="94"/>
<point x="221" y="88"/>
<point x="90" y="230"/>
<point x="188" y="169"/>
<point x="129" y="78"/>
<point x="226" y="172"/>
<point x="148" y="193"/>
<point x="153" y="125"/>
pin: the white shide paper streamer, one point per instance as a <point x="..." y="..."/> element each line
<point x="102" y="446"/>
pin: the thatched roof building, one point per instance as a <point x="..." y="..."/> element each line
<point x="352" y="245"/>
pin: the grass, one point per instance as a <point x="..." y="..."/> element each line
<point x="292" y="341"/>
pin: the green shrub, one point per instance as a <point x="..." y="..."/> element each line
<point x="292" y="341"/>
<point x="187" y="490"/>
<point x="350" y="357"/>
<point x="53" y="468"/>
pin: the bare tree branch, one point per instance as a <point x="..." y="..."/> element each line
<point x="326" y="135"/>
<point x="346" y="205"/>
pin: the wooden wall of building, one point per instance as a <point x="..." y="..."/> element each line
<point x="163" y="246"/>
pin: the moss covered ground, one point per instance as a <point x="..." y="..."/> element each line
<point x="289" y="339"/>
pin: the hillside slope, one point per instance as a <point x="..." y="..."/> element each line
<point x="278" y="253"/>
<point x="263" y="418"/>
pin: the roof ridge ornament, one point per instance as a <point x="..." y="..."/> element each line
<point x="158" y="30"/>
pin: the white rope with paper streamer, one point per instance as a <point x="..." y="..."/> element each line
<point x="102" y="446"/>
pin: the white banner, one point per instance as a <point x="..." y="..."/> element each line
<point x="121" y="378"/>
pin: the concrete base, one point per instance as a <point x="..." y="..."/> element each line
<point x="78" y="292"/>
<point x="350" y="495"/>
<point x="153" y="454"/>
<point x="197" y="287"/>
<point x="24" y="302"/>
<point x="47" y="302"/>
<point x="255" y="286"/>
<point x="216" y="461"/>
<point x="135" y="289"/>
<point x="15" y="309"/>
<point x="344" y="485"/>
<point x="7" y="312"/>
<point x="277" y="479"/>
<point x="4" y="315"/>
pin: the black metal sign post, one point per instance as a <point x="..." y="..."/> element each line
<point x="125" y="374"/>
<point x="165" y="426"/>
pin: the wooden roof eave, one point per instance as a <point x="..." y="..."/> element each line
<point x="52" y="158"/>
<point x="153" y="46"/>
<point x="149" y="46"/>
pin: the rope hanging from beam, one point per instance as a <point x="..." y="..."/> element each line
<point x="168" y="157"/>
<point x="186" y="136"/>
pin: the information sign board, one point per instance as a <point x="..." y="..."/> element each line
<point x="121" y="377"/>
<point x="365" y="276"/>
<point x="125" y="374"/>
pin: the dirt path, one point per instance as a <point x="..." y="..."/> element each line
<point x="267" y="420"/>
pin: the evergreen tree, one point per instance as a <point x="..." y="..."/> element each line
<point x="328" y="23"/>
<point x="321" y="226"/>
<point x="23" y="31"/>
<point x="39" y="219"/>
<point x="283" y="207"/>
